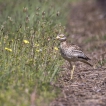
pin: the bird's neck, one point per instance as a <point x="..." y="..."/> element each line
<point x="63" y="44"/>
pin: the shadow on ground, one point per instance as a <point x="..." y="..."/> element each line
<point x="87" y="28"/>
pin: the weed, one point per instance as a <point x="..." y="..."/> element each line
<point x="29" y="53"/>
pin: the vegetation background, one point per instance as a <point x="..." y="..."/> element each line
<point x="29" y="58"/>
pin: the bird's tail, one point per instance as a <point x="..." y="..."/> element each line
<point x="87" y="62"/>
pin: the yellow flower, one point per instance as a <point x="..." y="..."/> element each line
<point x="8" y="49"/>
<point x="37" y="50"/>
<point x="55" y="48"/>
<point x="26" y="41"/>
<point x="36" y="44"/>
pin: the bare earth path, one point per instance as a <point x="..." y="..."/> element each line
<point x="87" y="28"/>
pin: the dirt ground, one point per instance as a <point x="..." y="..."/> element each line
<point x="87" y="28"/>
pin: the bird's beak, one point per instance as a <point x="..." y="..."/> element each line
<point x="57" y="37"/>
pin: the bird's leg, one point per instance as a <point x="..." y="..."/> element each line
<point x="72" y="67"/>
<point x="72" y="71"/>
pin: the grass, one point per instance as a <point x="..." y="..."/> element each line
<point x="29" y="58"/>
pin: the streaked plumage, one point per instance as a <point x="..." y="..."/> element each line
<point x="71" y="53"/>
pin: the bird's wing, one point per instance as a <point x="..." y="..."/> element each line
<point x="75" y="47"/>
<point x="76" y="52"/>
<point x="73" y="52"/>
<point x="79" y="54"/>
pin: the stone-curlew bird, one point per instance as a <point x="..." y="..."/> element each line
<point x="71" y="53"/>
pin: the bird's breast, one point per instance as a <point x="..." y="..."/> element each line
<point x="64" y="53"/>
<point x="67" y="54"/>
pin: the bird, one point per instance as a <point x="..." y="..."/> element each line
<point x="71" y="53"/>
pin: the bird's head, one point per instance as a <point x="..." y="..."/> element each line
<point x="61" y="37"/>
